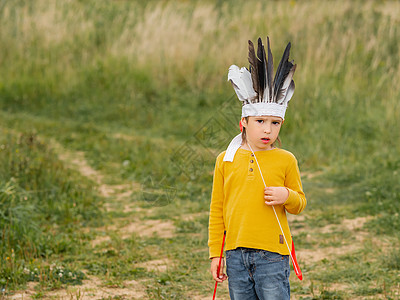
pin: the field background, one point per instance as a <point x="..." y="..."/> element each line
<point x="112" y="114"/>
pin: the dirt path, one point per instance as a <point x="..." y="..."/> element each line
<point x="317" y="254"/>
<point x="76" y="160"/>
<point x="93" y="287"/>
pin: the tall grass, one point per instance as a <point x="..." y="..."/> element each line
<point x="40" y="206"/>
<point x="144" y="66"/>
<point x="83" y="71"/>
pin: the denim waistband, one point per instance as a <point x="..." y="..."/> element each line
<point x="244" y="249"/>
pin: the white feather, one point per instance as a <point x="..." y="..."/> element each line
<point x="289" y="93"/>
<point x="266" y="92"/>
<point x="285" y="86"/>
<point x="242" y="83"/>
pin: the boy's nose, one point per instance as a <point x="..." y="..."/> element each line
<point x="267" y="129"/>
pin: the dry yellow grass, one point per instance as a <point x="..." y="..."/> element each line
<point x="177" y="39"/>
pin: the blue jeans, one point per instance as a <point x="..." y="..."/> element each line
<point x="257" y="274"/>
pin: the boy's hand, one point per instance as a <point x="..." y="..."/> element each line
<point x="275" y="195"/>
<point x="214" y="268"/>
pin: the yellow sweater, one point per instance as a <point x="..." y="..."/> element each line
<point x="238" y="205"/>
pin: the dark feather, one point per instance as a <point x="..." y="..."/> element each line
<point x="281" y="87"/>
<point x="270" y="70"/>
<point x="281" y="73"/>
<point x="262" y="68"/>
<point x="289" y="92"/>
<point x="287" y="84"/>
<point x="254" y="68"/>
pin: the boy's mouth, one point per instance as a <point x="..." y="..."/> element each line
<point x="265" y="140"/>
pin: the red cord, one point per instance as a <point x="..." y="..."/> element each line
<point x="219" y="264"/>
<point x="296" y="267"/>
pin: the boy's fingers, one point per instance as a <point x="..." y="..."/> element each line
<point x="269" y="192"/>
<point x="222" y="275"/>
<point x="221" y="270"/>
<point x="214" y="274"/>
<point x="214" y="271"/>
<point x="219" y="278"/>
<point x="271" y="203"/>
<point x="269" y="198"/>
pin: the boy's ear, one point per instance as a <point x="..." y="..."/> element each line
<point x="243" y="122"/>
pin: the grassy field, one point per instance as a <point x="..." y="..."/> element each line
<point x="111" y="117"/>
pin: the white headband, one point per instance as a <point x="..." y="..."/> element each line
<point x="264" y="109"/>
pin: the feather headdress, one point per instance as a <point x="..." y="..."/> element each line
<point x="260" y="94"/>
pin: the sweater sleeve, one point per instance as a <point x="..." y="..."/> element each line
<point x="216" y="226"/>
<point x="296" y="201"/>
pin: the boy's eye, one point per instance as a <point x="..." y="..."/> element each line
<point x="260" y="121"/>
<point x="276" y="122"/>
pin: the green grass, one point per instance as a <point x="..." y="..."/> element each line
<point x="140" y="89"/>
<point x="42" y="205"/>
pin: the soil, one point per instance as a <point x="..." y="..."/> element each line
<point x="92" y="288"/>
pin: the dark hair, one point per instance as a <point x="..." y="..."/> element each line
<point x="244" y="135"/>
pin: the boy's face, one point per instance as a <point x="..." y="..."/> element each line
<point x="262" y="131"/>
